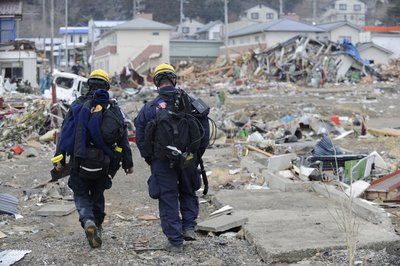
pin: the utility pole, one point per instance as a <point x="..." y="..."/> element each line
<point x="66" y="36"/>
<point x="92" y="46"/>
<point x="52" y="36"/>
<point x="53" y="87"/>
<point x="280" y="8"/>
<point x="136" y="8"/>
<point x="181" y="15"/>
<point x="44" y="27"/>
<point x="226" y="30"/>
<point x="314" y="12"/>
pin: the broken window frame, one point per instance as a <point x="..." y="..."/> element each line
<point x="342" y="7"/>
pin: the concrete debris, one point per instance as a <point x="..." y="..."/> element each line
<point x="56" y="210"/>
<point x="222" y="223"/>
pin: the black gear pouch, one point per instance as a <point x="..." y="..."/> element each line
<point x="95" y="165"/>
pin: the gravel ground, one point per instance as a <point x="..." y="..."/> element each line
<point x="132" y="233"/>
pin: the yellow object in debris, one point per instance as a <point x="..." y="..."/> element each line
<point x="57" y="159"/>
<point x="118" y="149"/>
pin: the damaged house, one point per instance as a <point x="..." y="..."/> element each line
<point x="267" y="34"/>
<point x="17" y="58"/>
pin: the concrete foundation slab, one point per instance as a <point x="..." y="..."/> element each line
<point x="56" y="210"/>
<point x="291" y="226"/>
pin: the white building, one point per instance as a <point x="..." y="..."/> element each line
<point x="260" y="13"/>
<point x="188" y="29"/>
<point x="353" y="11"/>
<point x="211" y="31"/>
<point x="139" y="44"/>
<point x="18" y="60"/>
<point x="388" y="40"/>
<point x="336" y="31"/>
<point x="74" y="38"/>
<point x="99" y="27"/>
<point x="374" y="53"/>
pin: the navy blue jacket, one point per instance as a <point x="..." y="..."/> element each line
<point x="148" y="113"/>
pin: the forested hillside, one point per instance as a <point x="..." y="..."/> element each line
<point x="168" y="11"/>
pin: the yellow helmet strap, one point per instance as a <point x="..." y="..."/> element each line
<point x="164" y="75"/>
<point x="95" y="84"/>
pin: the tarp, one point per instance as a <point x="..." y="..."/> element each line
<point x="351" y="50"/>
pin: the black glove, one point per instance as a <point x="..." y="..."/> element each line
<point x="148" y="160"/>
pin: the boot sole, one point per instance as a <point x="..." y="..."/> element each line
<point x="92" y="237"/>
<point x="189" y="238"/>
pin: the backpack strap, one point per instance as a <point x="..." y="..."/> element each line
<point x="184" y="102"/>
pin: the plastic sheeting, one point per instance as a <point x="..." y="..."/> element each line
<point x="350" y="49"/>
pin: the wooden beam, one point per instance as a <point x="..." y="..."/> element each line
<point x="214" y="70"/>
<point x="252" y="148"/>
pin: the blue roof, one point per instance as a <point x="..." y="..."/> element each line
<point x="74" y="30"/>
<point x="280" y="25"/>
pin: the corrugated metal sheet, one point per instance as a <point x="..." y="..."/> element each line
<point x="11" y="7"/>
<point x="10" y="256"/>
<point x="8" y="204"/>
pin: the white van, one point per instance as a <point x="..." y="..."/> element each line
<point x="68" y="86"/>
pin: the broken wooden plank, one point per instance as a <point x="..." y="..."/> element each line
<point x="214" y="70"/>
<point x="386" y="132"/>
<point x="252" y="148"/>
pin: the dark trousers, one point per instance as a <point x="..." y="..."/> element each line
<point x="89" y="197"/>
<point x="177" y="200"/>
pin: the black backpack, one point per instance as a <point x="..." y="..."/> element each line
<point x="97" y="163"/>
<point x="175" y="133"/>
<point x="113" y="126"/>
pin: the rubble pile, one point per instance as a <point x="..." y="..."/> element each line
<point x="391" y="70"/>
<point x="22" y="117"/>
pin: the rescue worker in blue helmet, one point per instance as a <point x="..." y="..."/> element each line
<point x="88" y="137"/>
<point x="174" y="187"/>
